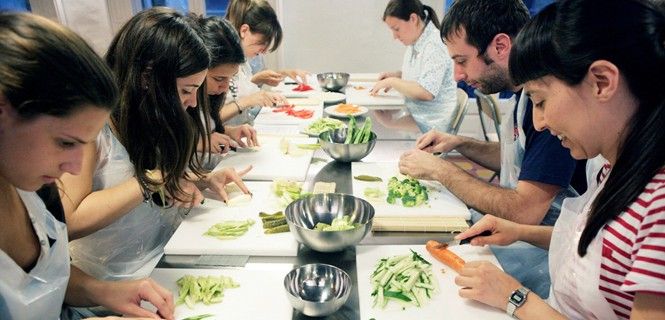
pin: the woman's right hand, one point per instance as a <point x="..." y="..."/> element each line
<point x="263" y="99"/>
<point x="393" y="74"/>
<point x="219" y="143"/>
<point x="436" y="141"/>
<point x="503" y="232"/>
<point x="125" y="298"/>
<point x="269" y="77"/>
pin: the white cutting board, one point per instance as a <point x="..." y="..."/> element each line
<point x="267" y="116"/>
<point x="269" y="162"/>
<point x="188" y="239"/>
<point x="447" y="304"/>
<point x="260" y="296"/>
<point x="287" y="89"/>
<point x="361" y="96"/>
<point x="441" y="202"/>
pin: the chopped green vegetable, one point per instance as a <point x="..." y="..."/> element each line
<point x="230" y="229"/>
<point x="356" y="134"/>
<point x="374" y="193"/>
<point x="199" y="317"/>
<point x="406" y="279"/>
<point x="288" y="191"/>
<point x="322" y="125"/>
<point x="409" y="190"/>
<point x="309" y="146"/>
<point x="338" y="224"/>
<point x="364" y="177"/>
<point x="206" y="289"/>
<point x="278" y="229"/>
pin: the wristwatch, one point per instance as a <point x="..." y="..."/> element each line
<point x="516" y="300"/>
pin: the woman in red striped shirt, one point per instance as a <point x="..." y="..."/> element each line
<point x="595" y="70"/>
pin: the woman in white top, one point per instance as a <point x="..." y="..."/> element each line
<point x="55" y="95"/>
<point x="147" y="153"/>
<point x="426" y="78"/>
<point x="594" y="71"/>
<point x="259" y="31"/>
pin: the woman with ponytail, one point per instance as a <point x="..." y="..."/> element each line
<point x="426" y="78"/>
<point x="594" y="71"/>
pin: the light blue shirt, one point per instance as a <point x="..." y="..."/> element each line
<point x="428" y="63"/>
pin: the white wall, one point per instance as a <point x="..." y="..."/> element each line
<point x="339" y="35"/>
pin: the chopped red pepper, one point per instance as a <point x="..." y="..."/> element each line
<point x="303" y="87"/>
<point x="289" y="109"/>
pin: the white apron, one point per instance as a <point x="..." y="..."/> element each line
<point x="512" y="150"/>
<point x="575" y="279"/>
<point x="130" y="247"/>
<point x="40" y="293"/>
<point x="512" y="154"/>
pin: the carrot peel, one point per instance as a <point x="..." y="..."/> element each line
<point x="440" y="252"/>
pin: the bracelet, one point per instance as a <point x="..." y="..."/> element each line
<point x="147" y="194"/>
<point x="237" y="106"/>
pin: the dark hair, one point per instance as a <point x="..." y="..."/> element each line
<point x="152" y="50"/>
<point x="259" y="16"/>
<point x="223" y="43"/>
<point x="564" y="42"/>
<point x="482" y="20"/>
<point x="46" y="69"/>
<point x="403" y="9"/>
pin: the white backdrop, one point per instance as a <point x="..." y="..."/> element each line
<point x="338" y="35"/>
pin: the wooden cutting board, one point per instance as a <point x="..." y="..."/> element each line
<point x="444" y="211"/>
<point x="261" y="294"/>
<point x="188" y="239"/>
<point x="269" y="162"/>
<point x="447" y="304"/>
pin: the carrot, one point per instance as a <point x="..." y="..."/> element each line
<point x="347" y="108"/>
<point x="440" y="252"/>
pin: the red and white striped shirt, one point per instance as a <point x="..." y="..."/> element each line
<point x="633" y="257"/>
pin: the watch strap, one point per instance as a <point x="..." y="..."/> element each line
<point x="517" y="299"/>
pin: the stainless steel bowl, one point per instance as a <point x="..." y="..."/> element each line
<point x="333" y="81"/>
<point x="317" y="289"/>
<point x="332" y="142"/>
<point x="302" y="216"/>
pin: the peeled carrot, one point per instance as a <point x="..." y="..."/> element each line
<point x="440" y="252"/>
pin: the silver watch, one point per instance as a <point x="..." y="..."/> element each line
<point x="516" y="300"/>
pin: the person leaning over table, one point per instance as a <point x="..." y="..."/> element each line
<point x="535" y="169"/>
<point x="55" y="95"/>
<point x="226" y="56"/>
<point x="426" y="78"/>
<point x="607" y="250"/>
<point x="259" y="29"/>
<point x="147" y="150"/>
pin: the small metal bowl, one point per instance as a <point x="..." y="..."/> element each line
<point x="316" y="289"/>
<point x="302" y="216"/>
<point x="332" y="142"/>
<point x="333" y="81"/>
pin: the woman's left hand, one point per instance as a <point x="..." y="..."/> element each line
<point x="242" y="131"/>
<point x="485" y="282"/>
<point x="217" y="180"/>
<point x="385" y="84"/>
<point x="125" y="298"/>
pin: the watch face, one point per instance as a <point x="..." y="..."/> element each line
<point x="517" y="297"/>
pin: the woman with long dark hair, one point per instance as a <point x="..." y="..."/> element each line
<point x="594" y="71"/>
<point x="143" y="174"/>
<point x="55" y="96"/>
<point x="226" y="56"/>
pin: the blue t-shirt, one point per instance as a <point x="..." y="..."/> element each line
<point x="545" y="159"/>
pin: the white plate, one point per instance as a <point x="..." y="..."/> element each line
<point x="331" y="111"/>
<point x="333" y="97"/>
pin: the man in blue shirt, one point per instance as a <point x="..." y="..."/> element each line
<point x="535" y="169"/>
